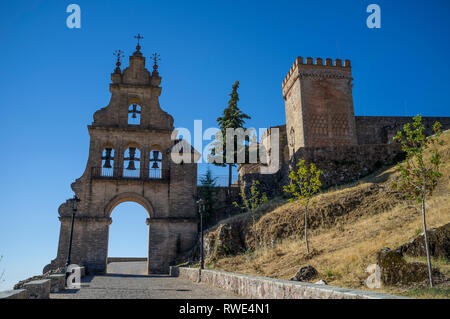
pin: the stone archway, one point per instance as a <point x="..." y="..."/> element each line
<point x="119" y="265"/>
<point x="129" y="197"/>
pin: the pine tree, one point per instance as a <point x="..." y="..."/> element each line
<point x="232" y="117"/>
<point x="208" y="193"/>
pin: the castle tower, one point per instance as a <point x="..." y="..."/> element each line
<point x="129" y="160"/>
<point x="319" y="104"/>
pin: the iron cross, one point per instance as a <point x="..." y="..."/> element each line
<point x="138" y="37"/>
<point x="155" y="57"/>
<point x="118" y="54"/>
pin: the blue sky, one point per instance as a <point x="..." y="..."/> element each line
<point x="55" y="78"/>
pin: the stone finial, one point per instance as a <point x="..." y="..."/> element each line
<point x="309" y="60"/>
<point x="155" y="57"/>
<point x="319" y="61"/>
<point x="328" y="62"/>
<point x="118" y="54"/>
<point x="347" y="64"/>
<point x="299" y="60"/>
<point x="338" y="62"/>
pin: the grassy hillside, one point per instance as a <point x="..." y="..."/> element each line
<point x="349" y="225"/>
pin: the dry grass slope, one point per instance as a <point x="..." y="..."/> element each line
<point x="349" y="226"/>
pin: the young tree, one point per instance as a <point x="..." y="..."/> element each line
<point x="232" y="117"/>
<point x="208" y="193"/>
<point x="251" y="203"/>
<point x="419" y="175"/>
<point x="305" y="182"/>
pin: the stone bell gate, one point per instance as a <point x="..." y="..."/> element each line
<point x="129" y="160"/>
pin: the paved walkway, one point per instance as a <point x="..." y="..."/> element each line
<point x="128" y="268"/>
<point x="121" y="284"/>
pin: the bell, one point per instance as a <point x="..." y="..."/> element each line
<point x="107" y="158"/>
<point x="131" y="166"/>
<point x="134" y="115"/>
<point x="155" y="155"/>
<point x="107" y="164"/>
<point x="155" y="165"/>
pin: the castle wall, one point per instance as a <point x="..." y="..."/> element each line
<point x="268" y="144"/>
<point x="340" y="165"/>
<point x="369" y="130"/>
<point x="381" y="129"/>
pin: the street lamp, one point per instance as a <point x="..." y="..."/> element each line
<point x="75" y="200"/>
<point x="201" y="210"/>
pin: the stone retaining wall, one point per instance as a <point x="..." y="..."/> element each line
<point x="14" y="294"/>
<point x="269" y="288"/>
<point x="58" y="282"/>
<point x="191" y="274"/>
<point x="38" y="289"/>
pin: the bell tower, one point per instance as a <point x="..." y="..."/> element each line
<point x="129" y="160"/>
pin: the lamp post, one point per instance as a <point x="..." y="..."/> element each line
<point x="201" y="209"/>
<point x="75" y="202"/>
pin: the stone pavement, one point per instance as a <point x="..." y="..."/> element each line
<point x="122" y="284"/>
<point x="128" y="268"/>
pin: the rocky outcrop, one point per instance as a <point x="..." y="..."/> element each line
<point x="305" y="273"/>
<point x="438" y="242"/>
<point x="392" y="269"/>
<point x="395" y="270"/>
<point x="226" y="239"/>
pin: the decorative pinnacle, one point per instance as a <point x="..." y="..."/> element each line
<point x="119" y="55"/>
<point x="155" y="57"/>
<point x="138" y="37"/>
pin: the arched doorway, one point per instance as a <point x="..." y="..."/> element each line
<point x="128" y="243"/>
<point x="131" y="211"/>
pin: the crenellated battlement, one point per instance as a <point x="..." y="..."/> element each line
<point x="318" y="63"/>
